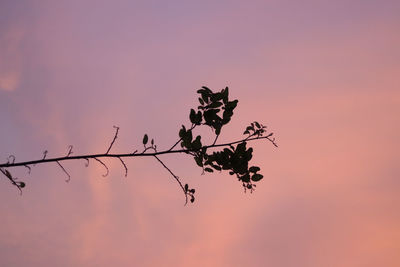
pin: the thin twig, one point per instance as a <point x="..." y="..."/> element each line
<point x="13" y="159"/>
<point x="105" y="166"/>
<point x="70" y="150"/>
<point x="180" y="139"/>
<point x="115" y="137"/>
<point x="126" y="168"/>
<point x="19" y="185"/>
<point x="176" y="178"/>
<point x="61" y="166"/>
<point x="29" y="168"/>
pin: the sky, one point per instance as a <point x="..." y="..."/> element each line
<point x="324" y="76"/>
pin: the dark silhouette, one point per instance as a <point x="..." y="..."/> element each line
<point x="215" y="111"/>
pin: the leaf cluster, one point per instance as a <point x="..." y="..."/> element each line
<point x="215" y="111"/>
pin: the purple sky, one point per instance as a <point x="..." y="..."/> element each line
<point x="323" y="75"/>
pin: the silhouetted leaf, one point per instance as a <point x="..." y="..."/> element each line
<point x="192" y="116"/>
<point x="196" y="144"/>
<point x="186" y="187"/>
<point x="254" y="169"/>
<point x="218" y="168"/>
<point x="207" y="89"/>
<point x="198" y="161"/>
<point x="246" y="178"/>
<point x="214" y="105"/>
<point x="256" y="177"/>
<point x="225" y="94"/>
<point x="145" y="139"/>
<point x="208" y="170"/>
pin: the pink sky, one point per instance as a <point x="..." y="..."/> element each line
<point x="323" y="75"/>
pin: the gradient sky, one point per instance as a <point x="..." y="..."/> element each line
<point x="323" y="75"/>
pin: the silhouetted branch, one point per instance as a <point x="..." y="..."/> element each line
<point x="127" y="155"/>
<point x="102" y="163"/>
<point x="215" y="111"/>
<point x="65" y="171"/>
<point x="13" y="180"/>
<point x="29" y="168"/>
<point x="126" y="168"/>
<point x="70" y="150"/>
<point x="113" y="141"/>
<point x="173" y="175"/>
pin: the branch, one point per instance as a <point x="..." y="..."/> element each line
<point x="128" y="155"/>
<point x="176" y="178"/>
<point x="113" y="141"/>
<point x="215" y="111"/>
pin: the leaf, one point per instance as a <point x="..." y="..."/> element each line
<point x="256" y="177"/>
<point x="257" y="124"/>
<point x="207" y="89"/>
<point x="225" y="94"/>
<point x="250" y="128"/>
<point x="232" y="104"/>
<point x="196" y="144"/>
<point x="186" y="187"/>
<point x="192" y="191"/>
<point x="204" y="96"/>
<point x="182" y="132"/>
<point x="192" y="116"/>
<point x="208" y="170"/>
<point x="214" y="105"/>
<point x="145" y="139"/>
<point x="254" y="169"/>
<point x="21" y="184"/>
<point x="199" y="161"/>
<point x="199" y="117"/>
<point x="245" y="178"/>
<point x="201" y="101"/>
<point x="152" y="141"/>
<point x="218" y="168"/>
